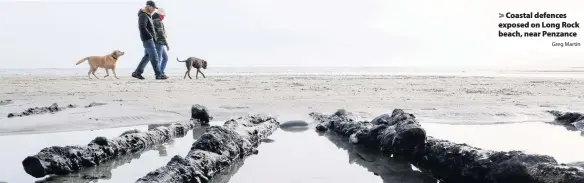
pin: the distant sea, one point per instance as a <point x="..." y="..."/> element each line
<point x="572" y="72"/>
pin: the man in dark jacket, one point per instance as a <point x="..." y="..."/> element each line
<point x="148" y="37"/>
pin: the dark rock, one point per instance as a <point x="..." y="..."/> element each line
<point x="452" y="162"/>
<point x="102" y="141"/>
<point x="220" y="148"/>
<point x="391" y="119"/>
<point x="64" y="160"/>
<point x="400" y="135"/>
<point x="321" y="128"/>
<point x="292" y="124"/>
<point x="93" y="104"/>
<point x="341" y="112"/>
<point x="201" y="113"/>
<point x="36" y="110"/>
<point x="381" y="120"/>
<point x="572" y="120"/>
<point x="567" y="117"/>
<point x="5" y="102"/>
<point x="50" y="109"/>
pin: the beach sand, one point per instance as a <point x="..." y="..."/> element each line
<point x="498" y="113"/>
<point x="433" y="99"/>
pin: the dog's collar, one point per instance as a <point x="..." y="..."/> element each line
<point x="113" y="56"/>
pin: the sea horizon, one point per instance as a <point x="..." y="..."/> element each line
<point x="561" y="72"/>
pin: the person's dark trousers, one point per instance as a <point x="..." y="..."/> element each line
<point x="150" y="54"/>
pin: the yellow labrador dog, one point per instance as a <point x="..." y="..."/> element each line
<point x="107" y="62"/>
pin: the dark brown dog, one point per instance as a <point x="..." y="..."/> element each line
<point x="194" y="62"/>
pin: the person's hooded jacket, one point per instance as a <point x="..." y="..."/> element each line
<point x="146" y="26"/>
<point x="159" y="28"/>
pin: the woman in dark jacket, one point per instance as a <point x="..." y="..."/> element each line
<point x="161" y="43"/>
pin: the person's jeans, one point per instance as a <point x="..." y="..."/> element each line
<point x="150" y="53"/>
<point x="163" y="57"/>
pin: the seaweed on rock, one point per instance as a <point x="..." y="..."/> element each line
<point x="68" y="159"/>
<point x="574" y="120"/>
<point x="216" y="151"/>
<point x="453" y="162"/>
<point x="400" y="134"/>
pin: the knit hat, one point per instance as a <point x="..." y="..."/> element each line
<point x="161" y="13"/>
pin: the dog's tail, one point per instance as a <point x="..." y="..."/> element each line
<point x="179" y="60"/>
<point x="82" y="60"/>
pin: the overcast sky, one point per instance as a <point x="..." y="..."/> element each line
<point x="55" y="34"/>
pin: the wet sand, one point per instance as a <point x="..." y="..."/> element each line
<point x="499" y="113"/>
<point x="436" y="99"/>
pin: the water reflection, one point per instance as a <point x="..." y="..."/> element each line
<point x="267" y="140"/>
<point x="390" y="170"/>
<point x="578" y="164"/>
<point x="225" y="175"/>
<point x="295" y="129"/>
<point x="162" y="150"/>
<point x="198" y="132"/>
<point x="103" y="171"/>
<point x="568" y="127"/>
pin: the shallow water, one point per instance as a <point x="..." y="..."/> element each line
<point x="309" y="157"/>
<point x="541" y="138"/>
<point x="300" y="155"/>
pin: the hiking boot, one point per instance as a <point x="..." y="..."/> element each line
<point x="138" y="76"/>
<point x="161" y="77"/>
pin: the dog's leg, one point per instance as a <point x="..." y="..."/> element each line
<point x="89" y="73"/>
<point x="106" y="73"/>
<point x="189" y="72"/>
<point x="188" y="69"/>
<point x="197" y="75"/>
<point x="93" y="72"/>
<point x="202" y="73"/>
<point x="114" y="71"/>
